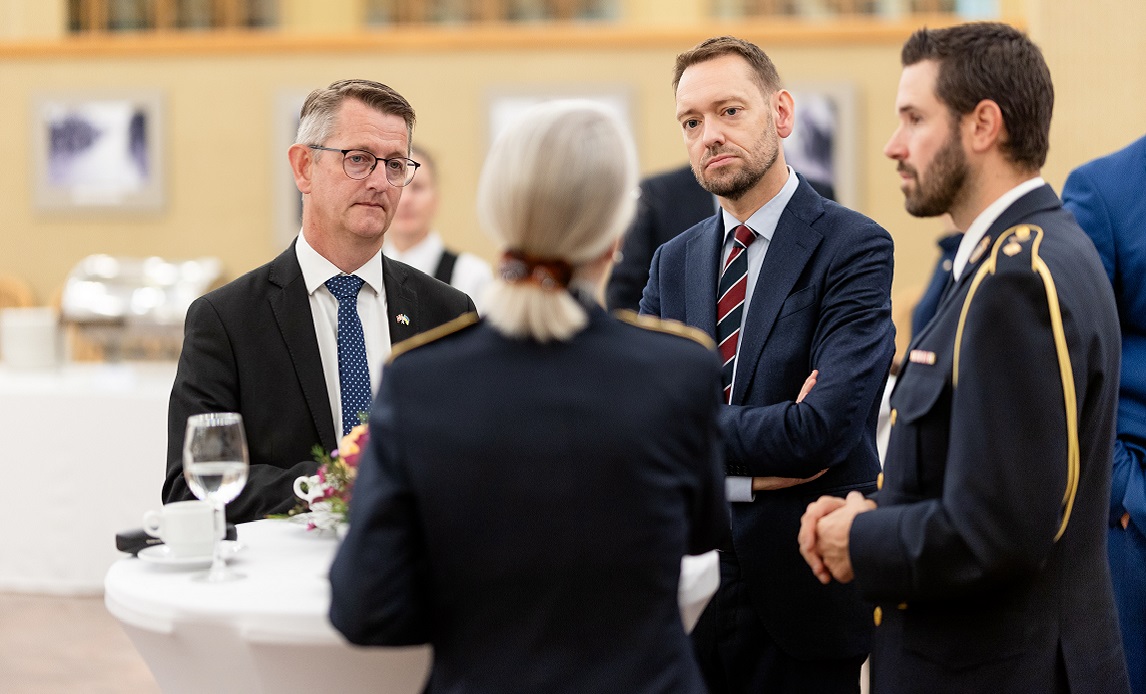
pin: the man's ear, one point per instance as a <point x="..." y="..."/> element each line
<point x="985" y="126"/>
<point x="301" y="164"/>
<point x="784" y="112"/>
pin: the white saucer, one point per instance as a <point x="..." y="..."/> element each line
<point x="161" y="554"/>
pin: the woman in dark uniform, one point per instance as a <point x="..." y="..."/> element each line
<point x="533" y="479"/>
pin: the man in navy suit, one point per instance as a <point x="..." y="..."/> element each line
<point x="269" y="344"/>
<point x="986" y="553"/>
<point x="813" y="294"/>
<point x="1106" y="197"/>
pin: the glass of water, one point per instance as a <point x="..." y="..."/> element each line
<point x="215" y="465"/>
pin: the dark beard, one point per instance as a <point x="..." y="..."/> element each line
<point x="945" y="182"/>
<point x="744" y="180"/>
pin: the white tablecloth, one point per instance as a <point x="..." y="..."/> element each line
<point x="82" y="457"/>
<point x="269" y="632"/>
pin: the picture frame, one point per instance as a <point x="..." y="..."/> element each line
<point x="100" y="151"/>
<point x="823" y="146"/>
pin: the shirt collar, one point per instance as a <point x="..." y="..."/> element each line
<point x="764" y="220"/>
<point x="986" y="218"/>
<point x="426" y="251"/>
<point x="316" y="270"/>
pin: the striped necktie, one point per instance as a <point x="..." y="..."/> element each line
<point x="730" y="305"/>
<point x="353" y="370"/>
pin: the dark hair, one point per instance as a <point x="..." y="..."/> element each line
<point x="758" y="60"/>
<point x="990" y="60"/>
<point x="317" y="117"/>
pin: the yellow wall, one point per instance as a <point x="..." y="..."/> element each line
<point x="220" y="103"/>
<point x="1097" y="58"/>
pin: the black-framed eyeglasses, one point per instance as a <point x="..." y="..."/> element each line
<point x="359" y="164"/>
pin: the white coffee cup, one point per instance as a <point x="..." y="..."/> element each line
<point x="188" y="528"/>
<point x="314" y="488"/>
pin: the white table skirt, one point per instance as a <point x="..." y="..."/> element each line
<point x="269" y="632"/>
<point x="84" y="451"/>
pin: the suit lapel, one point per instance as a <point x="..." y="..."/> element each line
<point x="401" y="302"/>
<point x="789" y="251"/>
<point x="702" y="260"/>
<point x="291" y="308"/>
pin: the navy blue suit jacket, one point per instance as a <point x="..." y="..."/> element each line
<point x="1106" y="196"/>
<point x="524" y="508"/>
<point x="821" y="301"/>
<point x="1003" y="426"/>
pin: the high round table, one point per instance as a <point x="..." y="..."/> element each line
<point x="269" y="632"/>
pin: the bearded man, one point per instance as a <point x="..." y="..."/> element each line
<point x="789" y="284"/>
<point x="985" y="547"/>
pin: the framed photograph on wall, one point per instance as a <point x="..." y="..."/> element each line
<point x="96" y="152"/>
<point x="822" y="146"/>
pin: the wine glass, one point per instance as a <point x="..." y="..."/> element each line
<point x="215" y="466"/>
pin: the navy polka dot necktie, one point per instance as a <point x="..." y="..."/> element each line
<point x="353" y="370"/>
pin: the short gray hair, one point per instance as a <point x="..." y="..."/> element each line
<point x="316" y="121"/>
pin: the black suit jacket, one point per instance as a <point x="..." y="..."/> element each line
<point x="670" y="203"/>
<point x="822" y="301"/>
<point x="250" y="347"/>
<point x="1002" y="437"/>
<point x="536" y="540"/>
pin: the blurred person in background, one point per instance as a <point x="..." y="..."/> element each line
<point x="1107" y="198"/>
<point x="670" y="203"/>
<point x="534" y="478"/>
<point x="413" y="240"/>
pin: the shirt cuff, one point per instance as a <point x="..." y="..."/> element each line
<point x="739" y="489"/>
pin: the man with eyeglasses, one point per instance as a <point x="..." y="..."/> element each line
<point x="297" y="345"/>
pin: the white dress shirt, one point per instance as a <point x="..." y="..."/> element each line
<point x="984" y="221"/>
<point x="471" y="274"/>
<point x="763" y="221"/>
<point x="316" y="270"/>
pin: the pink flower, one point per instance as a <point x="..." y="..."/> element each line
<point x="350" y="448"/>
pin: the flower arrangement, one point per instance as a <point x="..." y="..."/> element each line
<point x="326" y="495"/>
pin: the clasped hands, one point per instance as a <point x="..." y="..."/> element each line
<point x="824" y="530"/>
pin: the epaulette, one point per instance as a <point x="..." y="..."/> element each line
<point x="1017" y="249"/>
<point x="661" y="325"/>
<point x="460" y="323"/>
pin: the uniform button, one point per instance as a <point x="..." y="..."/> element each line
<point x="879" y="481"/>
<point x="894" y="416"/>
<point x="877" y="616"/>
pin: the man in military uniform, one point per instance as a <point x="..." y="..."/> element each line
<point x="985" y="549"/>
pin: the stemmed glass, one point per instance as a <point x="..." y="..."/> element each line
<point x="215" y="465"/>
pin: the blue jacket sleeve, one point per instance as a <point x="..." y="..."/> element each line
<point x="379" y="578"/>
<point x="852" y="347"/>
<point x="1085" y="198"/>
